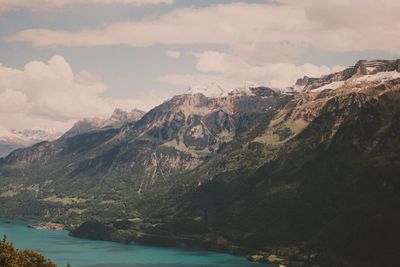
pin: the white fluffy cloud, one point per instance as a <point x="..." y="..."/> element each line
<point x="51" y="4"/>
<point x="51" y="95"/>
<point x="231" y="71"/>
<point x="257" y="32"/>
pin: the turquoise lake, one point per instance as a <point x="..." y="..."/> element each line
<point x="63" y="249"/>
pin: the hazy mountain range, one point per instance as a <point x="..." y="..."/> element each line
<point x="308" y="173"/>
<point x="13" y="139"/>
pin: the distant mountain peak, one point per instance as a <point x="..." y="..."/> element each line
<point x="212" y="89"/>
<point x="247" y="89"/>
<point x="117" y="119"/>
<point x="120" y="115"/>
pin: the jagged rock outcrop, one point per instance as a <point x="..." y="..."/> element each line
<point x="117" y="119"/>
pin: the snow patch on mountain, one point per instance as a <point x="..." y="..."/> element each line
<point x="376" y="77"/>
<point x="332" y="86"/>
<point x="380" y="76"/>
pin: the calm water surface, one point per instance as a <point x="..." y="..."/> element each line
<point x="63" y="249"/>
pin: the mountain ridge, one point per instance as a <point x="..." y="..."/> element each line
<point x="362" y="67"/>
<point x="266" y="172"/>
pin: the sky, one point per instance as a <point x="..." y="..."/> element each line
<point x="63" y="60"/>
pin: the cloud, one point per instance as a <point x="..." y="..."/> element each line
<point x="232" y="72"/>
<point x="174" y="54"/>
<point x="243" y="27"/>
<point x="257" y="32"/>
<point x="6" y="5"/>
<point x="50" y="94"/>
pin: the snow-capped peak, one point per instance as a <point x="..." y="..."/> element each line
<point x="246" y="90"/>
<point x="215" y="90"/>
<point x="210" y="90"/>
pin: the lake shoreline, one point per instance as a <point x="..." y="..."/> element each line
<point x="208" y="242"/>
<point x="8" y="223"/>
<point x="211" y="243"/>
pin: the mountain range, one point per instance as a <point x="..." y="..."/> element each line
<point x="301" y="176"/>
<point x="13" y="139"/>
